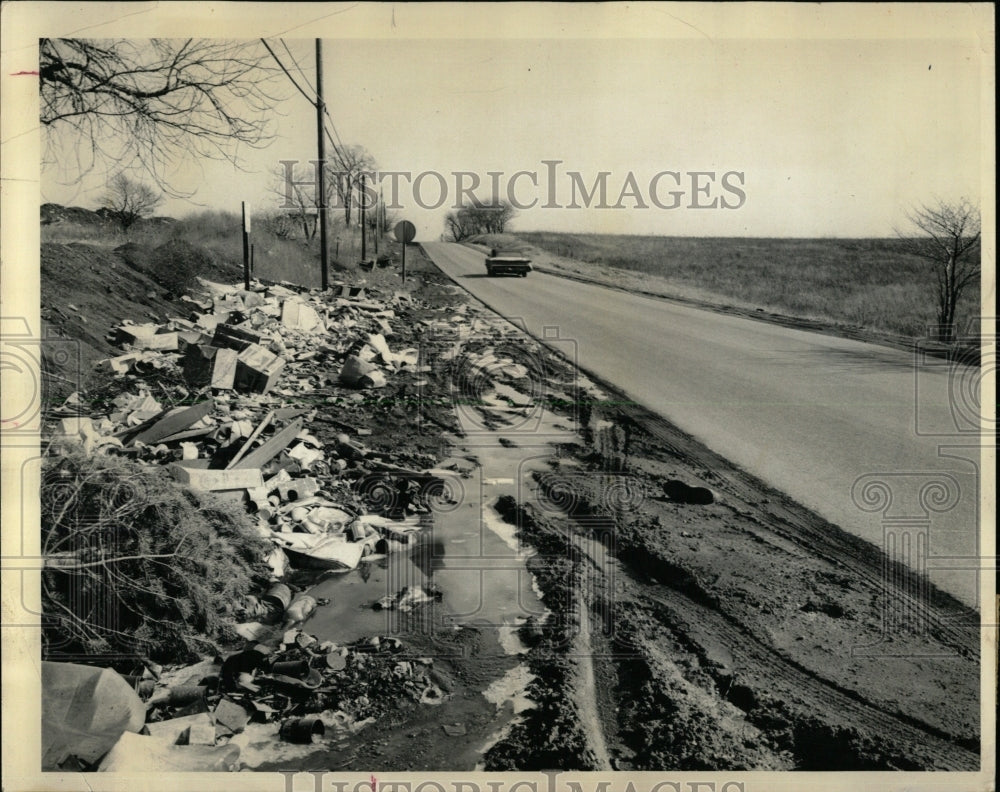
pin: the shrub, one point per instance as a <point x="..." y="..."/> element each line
<point x="176" y="264"/>
<point x="138" y="565"/>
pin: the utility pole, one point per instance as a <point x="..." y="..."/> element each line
<point x="375" y="228"/>
<point x="361" y="209"/>
<point x="321" y="145"/>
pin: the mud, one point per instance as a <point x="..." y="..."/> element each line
<point x="737" y="635"/>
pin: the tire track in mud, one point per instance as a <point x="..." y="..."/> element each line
<point x="786" y="680"/>
<point x="770" y="677"/>
<point x="585" y="693"/>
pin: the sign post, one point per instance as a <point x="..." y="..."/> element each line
<point x="405" y="232"/>
<point x="246" y="247"/>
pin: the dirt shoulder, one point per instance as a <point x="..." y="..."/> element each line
<point x="727" y="635"/>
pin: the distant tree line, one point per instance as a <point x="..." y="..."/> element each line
<point x="478" y="218"/>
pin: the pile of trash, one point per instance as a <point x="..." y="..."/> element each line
<point x="228" y="400"/>
<point x="247" y="361"/>
<point x="296" y="690"/>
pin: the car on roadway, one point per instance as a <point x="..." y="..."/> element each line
<point x="507" y="262"/>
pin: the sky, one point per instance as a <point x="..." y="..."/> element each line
<point x="800" y="133"/>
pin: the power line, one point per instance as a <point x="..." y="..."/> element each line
<point x="327" y="111"/>
<point x="305" y="77"/>
<point x="288" y="74"/>
<point x="338" y="149"/>
<point x="310" y="99"/>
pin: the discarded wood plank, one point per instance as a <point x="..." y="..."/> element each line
<point x="250" y="440"/>
<point x="174" y="422"/>
<point x="257" y="457"/>
<point x="383" y="467"/>
<point x="187" y="434"/>
<point x="131" y="430"/>
<point x="214" y="480"/>
<point x="231" y="337"/>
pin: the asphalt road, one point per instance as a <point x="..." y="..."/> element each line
<point x="876" y="440"/>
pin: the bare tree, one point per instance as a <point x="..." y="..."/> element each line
<point x="493" y="218"/>
<point x="458" y="225"/>
<point x="279" y="223"/>
<point x="150" y="102"/>
<point x="479" y="218"/>
<point x="950" y="239"/>
<point x="128" y="200"/>
<point x="298" y="201"/>
<point x="347" y="165"/>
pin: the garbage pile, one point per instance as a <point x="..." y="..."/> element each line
<point x="242" y="366"/>
<point x="229" y="400"/>
<point x="186" y="720"/>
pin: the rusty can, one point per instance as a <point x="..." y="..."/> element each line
<point x="292" y="668"/>
<point x="278" y="597"/>
<point x="302" y="730"/>
<point x="183" y="695"/>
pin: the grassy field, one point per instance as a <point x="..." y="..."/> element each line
<point x="868" y="283"/>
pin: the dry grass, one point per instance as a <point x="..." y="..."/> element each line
<point x="139" y="565"/>
<point x="869" y="283"/>
<point x="219" y="234"/>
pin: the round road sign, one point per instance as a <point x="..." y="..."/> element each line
<point x="405" y="231"/>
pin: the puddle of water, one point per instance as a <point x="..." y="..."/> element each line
<point x="351" y="614"/>
<point x="510" y="641"/>
<point x="511" y="689"/>
<point x="471" y="554"/>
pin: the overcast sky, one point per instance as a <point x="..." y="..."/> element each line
<point x="820" y="136"/>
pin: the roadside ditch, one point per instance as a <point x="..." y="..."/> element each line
<point x="454" y="550"/>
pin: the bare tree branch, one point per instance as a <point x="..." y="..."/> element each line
<point x="149" y="103"/>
